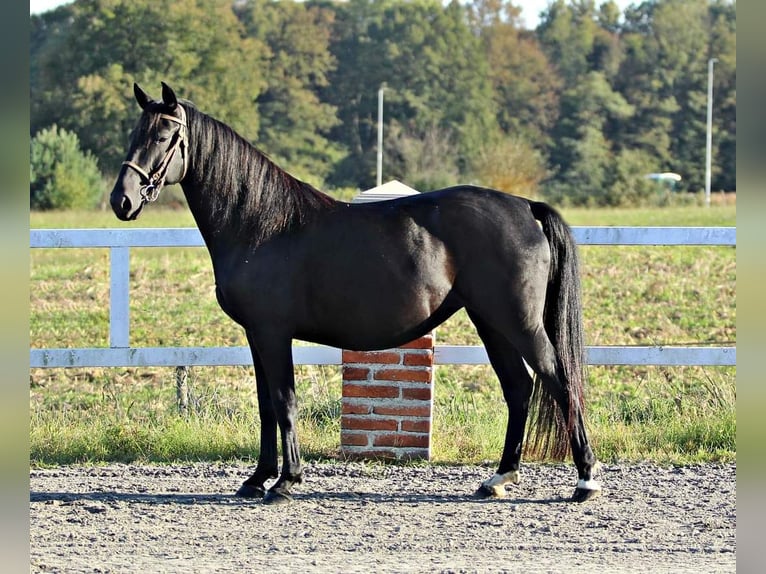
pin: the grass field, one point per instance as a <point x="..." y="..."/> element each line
<point x="632" y="295"/>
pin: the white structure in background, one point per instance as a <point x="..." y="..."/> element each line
<point x="389" y="190"/>
<point x="667" y="179"/>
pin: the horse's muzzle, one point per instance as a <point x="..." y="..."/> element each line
<point x="124" y="207"/>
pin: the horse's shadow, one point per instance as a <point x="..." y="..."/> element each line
<point x="181" y="499"/>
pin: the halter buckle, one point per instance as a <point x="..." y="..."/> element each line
<point x="150" y="192"/>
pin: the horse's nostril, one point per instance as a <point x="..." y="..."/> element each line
<point x="125" y="203"/>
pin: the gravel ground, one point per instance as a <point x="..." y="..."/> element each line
<point x="354" y="517"/>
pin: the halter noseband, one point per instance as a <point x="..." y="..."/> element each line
<point x="154" y="180"/>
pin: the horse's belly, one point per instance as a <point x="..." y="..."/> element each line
<point x="377" y="321"/>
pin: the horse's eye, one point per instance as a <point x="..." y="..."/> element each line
<point x="160" y="139"/>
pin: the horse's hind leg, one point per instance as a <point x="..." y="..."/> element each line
<point x="539" y="352"/>
<point x="516" y="383"/>
<point x="254" y="487"/>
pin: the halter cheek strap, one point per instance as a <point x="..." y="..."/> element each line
<point x="150" y="191"/>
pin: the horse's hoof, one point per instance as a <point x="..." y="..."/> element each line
<point x="583" y="494"/>
<point x="274" y="497"/>
<point x="250" y="491"/>
<point x="485" y="491"/>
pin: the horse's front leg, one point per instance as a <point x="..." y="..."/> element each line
<point x="277" y="362"/>
<point x="254" y="487"/>
<point x="286" y="408"/>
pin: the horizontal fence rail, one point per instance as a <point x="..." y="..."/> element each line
<point x="121" y="354"/>
<point x="191" y="237"/>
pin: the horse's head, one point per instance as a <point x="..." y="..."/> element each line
<point x="157" y="154"/>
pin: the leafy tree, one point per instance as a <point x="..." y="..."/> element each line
<point x="664" y="76"/>
<point x="609" y="17"/>
<point x="197" y="46"/>
<point x="294" y="121"/>
<point x="582" y="152"/>
<point x="48" y="32"/>
<point x="627" y="183"/>
<point x="525" y="85"/>
<point x="424" y="160"/>
<point x="61" y="175"/>
<point x="511" y="165"/>
<point x="600" y="97"/>
<point x="579" y="39"/>
<point x="723" y="47"/>
<point x="650" y="128"/>
<point x="680" y="33"/>
<point x="433" y="70"/>
<point x="586" y="51"/>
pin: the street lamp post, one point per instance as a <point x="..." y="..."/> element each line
<point x="709" y="142"/>
<point x="380" y="135"/>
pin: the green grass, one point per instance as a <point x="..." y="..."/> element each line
<point x="632" y="296"/>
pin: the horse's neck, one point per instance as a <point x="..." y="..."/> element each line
<point x="202" y="217"/>
<point x="241" y="211"/>
<point x="218" y="233"/>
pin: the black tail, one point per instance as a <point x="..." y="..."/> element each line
<point x="563" y="324"/>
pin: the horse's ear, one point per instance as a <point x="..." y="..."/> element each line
<point x="168" y="96"/>
<point x="141" y="96"/>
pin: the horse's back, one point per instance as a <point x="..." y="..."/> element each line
<point x="426" y="239"/>
<point x="480" y="224"/>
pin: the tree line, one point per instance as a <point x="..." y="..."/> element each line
<point x="579" y="109"/>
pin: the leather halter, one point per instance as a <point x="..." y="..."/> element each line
<point x="150" y="191"/>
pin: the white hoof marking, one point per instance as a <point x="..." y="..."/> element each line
<point x="498" y="481"/>
<point x="588" y="484"/>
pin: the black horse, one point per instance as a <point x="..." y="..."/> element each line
<point x="290" y="263"/>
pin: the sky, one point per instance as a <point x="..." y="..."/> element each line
<point x="39" y="6"/>
<point x="530" y="8"/>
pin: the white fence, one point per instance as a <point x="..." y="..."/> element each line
<point x="121" y="354"/>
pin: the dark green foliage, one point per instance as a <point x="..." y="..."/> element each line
<point x="61" y="175"/>
<point x="294" y="121"/>
<point x="425" y="160"/>
<point x="84" y="78"/>
<point x="598" y="97"/>
<point x="435" y="76"/>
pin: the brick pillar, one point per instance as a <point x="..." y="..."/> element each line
<point x="388" y="402"/>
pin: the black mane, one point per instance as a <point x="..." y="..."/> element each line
<point x="247" y="192"/>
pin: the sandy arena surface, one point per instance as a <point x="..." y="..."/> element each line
<point x="355" y="517"/>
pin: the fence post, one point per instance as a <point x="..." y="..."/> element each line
<point x="119" y="298"/>
<point x="387" y="402"/>
<point x="182" y="390"/>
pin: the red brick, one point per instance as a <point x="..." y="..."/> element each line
<point x="418" y="359"/>
<point x="353" y="438"/>
<point x="426" y="342"/>
<point x="417" y="393"/>
<point x="368" y="423"/>
<point x="416" y="426"/>
<point x="411" y="375"/>
<point x="371" y="391"/>
<point x="355" y="408"/>
<point x="424" y="411"/>
<point x="379" y="357"/>
<point x="355" y="373"/>
<point x="401" y="440"/>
